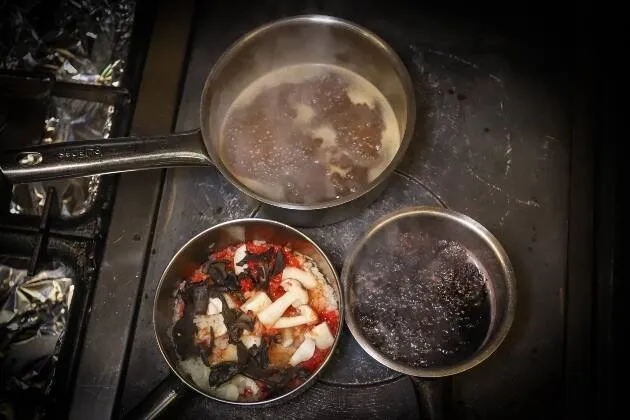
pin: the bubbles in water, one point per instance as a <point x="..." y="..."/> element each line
<point x="309" y="133"/>
<point x="421" y="301"/>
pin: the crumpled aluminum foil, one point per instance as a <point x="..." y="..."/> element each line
<point x="33" y="315"/>
<point x="88" y="43"/>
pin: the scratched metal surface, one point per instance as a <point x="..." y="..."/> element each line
<point x="492" y="142"/>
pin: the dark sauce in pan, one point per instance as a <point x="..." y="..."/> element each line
<point x="309" y="133"/>
<point x="423" y="302"/>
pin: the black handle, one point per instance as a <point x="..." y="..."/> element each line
<point x="167" y="392"/>
<point x="434" y="397"/>
<point x="94" y="157"/>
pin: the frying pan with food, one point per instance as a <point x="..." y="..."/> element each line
<point x="301" y="40"/>
<point x="429" y="293"/>
<point x="200" y="283"/>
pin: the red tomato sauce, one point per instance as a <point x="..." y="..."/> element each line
<point x="291" y="311"/>
<point x="246" y="285"/>
<point x="332" y="319"/>
<point x="316" y="361"/>
<point x="198" y="276"/>
<point x="291" y="260"/>
<point x="224" y="254"/>
<point x="275" y="288"/>
<point x="256" y="249"/>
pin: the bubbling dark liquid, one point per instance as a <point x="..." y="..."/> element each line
<point x="309" y="133"/>
<point x="422" y="302"/>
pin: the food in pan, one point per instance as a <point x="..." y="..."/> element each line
<point x="309" y="133"/>
<point x="254" y="321"/>
<point x="421" y="301"/>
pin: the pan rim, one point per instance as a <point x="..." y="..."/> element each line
<point x="401" y="70"/>
<point x="510" y="280"/>
<point x="311" y="379"/>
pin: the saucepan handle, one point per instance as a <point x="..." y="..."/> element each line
<point x="94" y="157"/>
<point x="166" y="393"/>
<point x="434" y="397"/>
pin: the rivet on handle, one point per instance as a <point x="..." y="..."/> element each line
<point x="29" y="158"/>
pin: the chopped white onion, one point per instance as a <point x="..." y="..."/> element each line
<point x="307" y="315"/>
<point x="227" y="391"/>
<point x="295" y="295"/>
<point x="304" y="352"/>
<point x="250" y="340"/>
<point x="256" y="303"/>
<point x="287" y="337"/>
<point x="322" y="336"/>
<point x="215" y="322"/>
<point x="215" y="306"/>
<point x="305" y="278"/>
<point x="239" y="254"/>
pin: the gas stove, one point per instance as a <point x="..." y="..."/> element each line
<point x="495" y="139"/>
<point x="492" y="141"/>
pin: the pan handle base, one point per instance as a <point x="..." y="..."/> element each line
<point x="434" y="397"/>
<point x="162" y="396"/>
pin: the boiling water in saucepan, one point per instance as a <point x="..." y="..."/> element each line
<point x="309" y="133"/>
<point x="422" y="302"/>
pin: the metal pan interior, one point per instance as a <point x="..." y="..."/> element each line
<point x="191" y="255"/>
<point x="430" y="292"/>
<point x="329" y="41"/>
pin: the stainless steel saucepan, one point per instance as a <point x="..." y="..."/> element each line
<point x="289" y="41"/>
<point x="187" y="259"/>
<point x="441" y="278"/>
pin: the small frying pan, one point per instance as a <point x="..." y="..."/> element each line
<point x="290" y="41"/>
<point x="452" y="321"/>
<point x="187" y="259"/>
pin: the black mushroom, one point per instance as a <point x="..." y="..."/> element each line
<point x="254" y="362"/>
<point x="230" y="283"/>
<point x="220" y="280"/>
<point x="234" y="334"/>
<point x="244" y="322"/>
<point x="260" y="257"/>
<point x="242" y="354"/>
<point x="278" y="264"/>
<point x="260" y="354"/>
<point x="205" y="350"/>
<point x="199" y="296"/>
<point x="278" y="381"/>
<point x="263" y="276"/>
<point x="229" y="315"/>
<point x="236" y="324"/>
<point x="222" y="373"/>
<point x="183" y="332"/>
<point x="215" y="270"/>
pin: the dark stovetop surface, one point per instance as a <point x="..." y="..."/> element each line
<point x="493" y="140"/>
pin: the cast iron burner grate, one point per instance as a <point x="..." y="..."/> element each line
<point x="38" y="242"/>
<point x="37" y="246"/>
